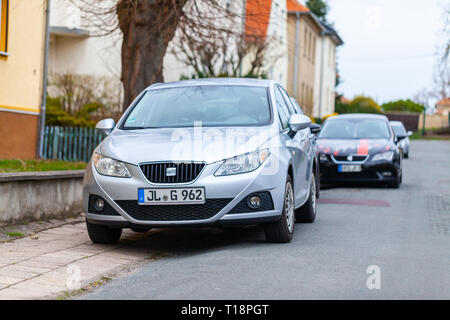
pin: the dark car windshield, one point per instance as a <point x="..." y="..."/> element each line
<point x="398" y="129"/>
<point x="355" y="129"/>
<point x="212" y="105"/>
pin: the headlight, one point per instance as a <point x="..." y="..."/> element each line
<point x="110" y="167"/>
<point x="387" y="156"/>
<point x="244" y="163"/>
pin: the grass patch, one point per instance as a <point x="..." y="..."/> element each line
<point x="17" y="165"/>
<point x="15" y="234"/>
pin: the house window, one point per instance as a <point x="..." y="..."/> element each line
<point x="4" y="26"/>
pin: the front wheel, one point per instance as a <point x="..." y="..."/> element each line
<point x="307" y="212"/>
<point x="103" y="234"/>
<point x="282" y="230"/>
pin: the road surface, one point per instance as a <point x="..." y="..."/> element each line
<point x="397" y="242"/>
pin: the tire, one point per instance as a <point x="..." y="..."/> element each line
<point x="406" y="155"/>
<point x="103" y="234"/>
<point x="307" y="212"/>
<point x="398" y="181"/>
<point x="282" y="231"/>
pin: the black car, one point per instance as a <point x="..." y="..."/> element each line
<point x="359" y="148"/>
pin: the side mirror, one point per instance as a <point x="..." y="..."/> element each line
<point x="298" y="122"/>
<point x="106" y="126"/>
<point x="315" y="128"/>
<point x="409" y="133"/>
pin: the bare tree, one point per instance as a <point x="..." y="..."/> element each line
<point x="223" y="45"/>
<point x="147" y="27"/>
<point x="441" y="74"/>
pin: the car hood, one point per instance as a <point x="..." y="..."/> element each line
<point x="346" y="147"/>
<point x="184" y="144"/>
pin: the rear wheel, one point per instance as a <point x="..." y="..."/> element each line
<point x="307" y="212"/>
<point x="396" y="184"/>
<point x="103" y="234"/>
<point x="282" y="230"/>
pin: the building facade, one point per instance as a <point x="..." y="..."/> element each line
<point x="443" y="107"/>
<point x="78" y="48"/>
<point x="325" y="80"/>
<point x="312" y="60"/>
<point x="304" y="30"/>
<point x="22" y="51"/>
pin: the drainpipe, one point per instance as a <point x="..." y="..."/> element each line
<point x="321" y="75"/>
<point x="44" y="82"/>
<point x="297" y="36"/>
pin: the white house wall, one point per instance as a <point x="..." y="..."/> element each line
<point x="325" y="79"/>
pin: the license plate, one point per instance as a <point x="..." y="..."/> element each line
<point x="349" y="168"/>
<point x="171" y="196"/>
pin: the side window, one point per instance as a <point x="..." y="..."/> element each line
<point x="288" y="101"/>
<point x="297" y="107"/>
<point x="282" y="108"/>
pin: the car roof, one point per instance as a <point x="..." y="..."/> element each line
<point x="359" y="116"/>
<point x="212" y="82"/>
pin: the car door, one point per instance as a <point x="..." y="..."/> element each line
<point x="298" y="146"/>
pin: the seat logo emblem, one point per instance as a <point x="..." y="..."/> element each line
<point x="171" y="172"/>
<point x="350" y="158"/>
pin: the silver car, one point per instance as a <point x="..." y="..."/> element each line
<point x="402" y="136"/>
<point x="212" y="152"/>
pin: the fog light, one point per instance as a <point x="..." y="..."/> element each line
<point x="254" y="202"/>
<point x="99" y="204"/>
<point x="387" y="173"/>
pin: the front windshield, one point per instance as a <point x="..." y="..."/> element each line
<point x="399" y="130"/>
<point x="212" y="105"/>
<point x="355" y="129"/>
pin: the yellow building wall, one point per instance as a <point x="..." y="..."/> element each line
<point x="21" y="71"/>
<point x="21" y="77"/>
<point x="304" y="91"/>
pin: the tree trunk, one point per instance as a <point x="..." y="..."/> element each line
<point x="147" y="27"/>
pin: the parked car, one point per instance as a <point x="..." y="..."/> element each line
<point x="139" y="177"/>
<point x="359" y="148"/>
<point x="402" y="136"/>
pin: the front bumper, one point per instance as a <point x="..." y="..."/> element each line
<point x="225" y="199"/>
<point x="372" y="172"/>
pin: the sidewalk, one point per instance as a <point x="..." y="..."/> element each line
<point x="51" y="263"/>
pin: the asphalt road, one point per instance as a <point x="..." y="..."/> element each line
<point x="404" y="232"/>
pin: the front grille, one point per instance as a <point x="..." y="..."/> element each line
<point x="242" y="206"/>
<point x="173" y="212"/>
<point x="355" y="158"/>
<point x="185" y="172"/>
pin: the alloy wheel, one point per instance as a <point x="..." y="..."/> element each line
<point x="289" y="207"/>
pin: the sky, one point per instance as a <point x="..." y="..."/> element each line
<point x="390" y="45"/>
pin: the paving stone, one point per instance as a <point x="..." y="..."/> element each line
<point x="20" y="294"/>
<point x="7" y="280"/>
<point x="39" y="287"/>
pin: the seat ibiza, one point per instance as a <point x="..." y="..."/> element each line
<point x="213" y="152"/>
<point x="359" y="148"/>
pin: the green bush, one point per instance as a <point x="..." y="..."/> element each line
<point x="360" y="104"/>
<point x="403" y="105"/>
<point x="56" y="116"/>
